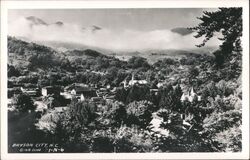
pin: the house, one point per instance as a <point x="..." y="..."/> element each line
<point x="60" y="109"/>
<point x="133" y="82"/>
<point x="109" y="97"/>
<point x="80" y="97"/>
<point x="86" y="91"/>
<point x="190" y="96"/>
<point x="78" y="90"/>
<point x="75" y="85"/>
<point x="154" y="91"/>
<point x="97" y="100"/>
<point x="142" y="81"/>
<point x="160" y="84"/>
<point x="102" y="92"/>
<point x="50" y="90"/>
<point x="66" y="95"/>
<point x="30" y="91"/>
<point x="98" y="72"/>
<point x="13" y="91"/>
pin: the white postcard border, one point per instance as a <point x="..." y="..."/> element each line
<point x="5" y="5"/>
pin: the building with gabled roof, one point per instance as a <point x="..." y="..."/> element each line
<point x="80" y="89"/>
<point x="133" y="81"/>
<point x="30" y="91"/>
<point x="50" y="90"/>
<point x="190" y="96"/>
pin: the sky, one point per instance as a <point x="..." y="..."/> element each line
<point x="116" y="19"/>
<point x="122" y="29"/>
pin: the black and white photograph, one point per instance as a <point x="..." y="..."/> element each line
<point x="125" y="80"/>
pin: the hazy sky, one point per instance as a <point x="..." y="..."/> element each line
<point x="116" y="19"/>
<point x="122" y="29"/>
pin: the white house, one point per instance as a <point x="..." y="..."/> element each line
<point x="133" y="81"/>
<point x="50" y="90"/>
<point x="190" y="96"/>
<point x="142" y="81"/>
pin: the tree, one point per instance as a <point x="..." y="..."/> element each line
<point x="193" y="72"/>
<point x="130" y="139"/>
<point x="169" y="61"/>
<point x="83" y="112"/>
<point x="227" y="21"/>
<point x="192" y="75"/>
<point x="121" y="95"/>
<point x="170" y="97"/>
<point x="74" y="129"/>
<point x="41" y="60"/>
<point x="116" y="113"/>
<point x="70" y="134"/>
<point x="12" y="71"/>
<point x="140" y="113"/>
<point x="24" y="103"/>
<point x="230" y="140"/>
<point x="138" y="93"/>
<point x="185" y="130"/>
<point x="182" y="137"/>
<point x="137" y="62"/>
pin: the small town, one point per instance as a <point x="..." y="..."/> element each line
<point x="56" y="98"/>
<point x="122" y="96"/>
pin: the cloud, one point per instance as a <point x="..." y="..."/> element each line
<point x="124" y="40"/>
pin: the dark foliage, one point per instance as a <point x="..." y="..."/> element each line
<point x="227" y="21"/>
<point x="24" y="103"/>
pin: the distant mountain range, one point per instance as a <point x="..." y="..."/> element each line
<point x="28" y="49"/>
<point x="23" y="48"/>
<point x="24" y="54"/>
<point x="154" y="55"/>
<point x="87" y="52"/>
<point x="75" y="49"/>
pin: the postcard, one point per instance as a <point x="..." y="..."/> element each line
<point x="125" y="79"/>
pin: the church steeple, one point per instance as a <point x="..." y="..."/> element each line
<point x="192" y="92"/>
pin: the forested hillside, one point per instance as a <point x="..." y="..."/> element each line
<point x="196" y="100"/>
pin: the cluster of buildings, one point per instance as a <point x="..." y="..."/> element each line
<point x="82" y="92"/>
<point x="92" y="93"/>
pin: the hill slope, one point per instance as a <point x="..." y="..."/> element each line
<point x="25" y="54"/>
